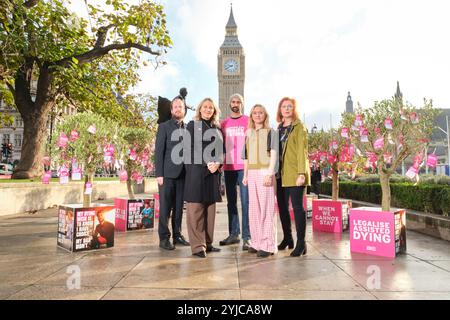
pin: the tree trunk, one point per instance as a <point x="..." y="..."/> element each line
<point x="87" y="198"/>
<point x="386" y="191"/>
<point x="34" y="138"/>
<point x="335" y="184"/>
<point x="34" y="115"/>
<point x="130" y="186"/>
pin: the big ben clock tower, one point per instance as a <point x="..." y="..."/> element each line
<point x="230" y="67"/>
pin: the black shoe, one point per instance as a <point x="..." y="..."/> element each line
<point x="212" y="249"/>
<point x="180" y="240"/>
<point x="252" y="250"/>
<point x="286" y="243"/>
<point x="230" y="240"/>
<point x="299" y="250"/>
<point x="246" y="245"/>
<point x="201" y="254"/>
<point x="263" y="254"/>
<point x="165" y="244"/>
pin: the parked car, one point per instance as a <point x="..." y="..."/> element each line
<point x="6" y="169"/>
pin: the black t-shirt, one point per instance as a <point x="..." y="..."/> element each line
<point x="283" y="135"/>
<point x="106" y="230"/>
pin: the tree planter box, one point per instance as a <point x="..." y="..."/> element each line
<point x="330" y="216"/>
<point x="132" y="214"/>
<point x="377" y="232"/>
<point x="79" y="228"/>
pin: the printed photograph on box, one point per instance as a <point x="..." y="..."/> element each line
<point x="86" y="228"/>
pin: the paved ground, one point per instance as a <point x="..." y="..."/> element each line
<point x="32" y="267"/>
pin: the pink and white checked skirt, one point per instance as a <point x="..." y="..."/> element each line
<point x="262" y="214"/>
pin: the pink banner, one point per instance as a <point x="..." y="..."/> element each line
<point x="121" y="213"/>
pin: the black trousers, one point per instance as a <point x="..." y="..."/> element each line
<point x="170" y="199"/>
<point x="296" y="196"/>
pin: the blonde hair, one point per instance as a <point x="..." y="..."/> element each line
<point x="214" y="118"/>
<point x="294" y="104"/>
<point x="251" y="123"/>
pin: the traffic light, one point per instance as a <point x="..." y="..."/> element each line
<point x="9" y="148"/>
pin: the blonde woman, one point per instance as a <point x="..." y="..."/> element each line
<point x="203" y="177"/>
<point x="260" y="156"/>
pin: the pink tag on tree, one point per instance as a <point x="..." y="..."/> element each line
<point x="76" y="174"/>
<point x="344" y="133"/>
<point x="414" y="118"/>
<point x="412" y="172"/>
<point x="334" y="145"/>
<point x="378" y="144"/>
<point x="432" y="160"/>
<point x="387" y="158"/>
<point x="63" y="175"/>
<point x="358" y="120"/>
<point x="388" y="124"/>
<point x="133" y="155"/>
<point x="88" y="188"/>
<point x="46" y="177"/>
<point x="62" y="140"/>
<point x="92" y="129"/>
<point x="74" y="135"/>
<point x="364" y="133"/>
<point x="377" y="130"/>
<point x="331" y="159"/>
<point x="123" y="176"/>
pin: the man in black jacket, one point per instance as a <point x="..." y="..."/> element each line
<point x="170" y="174"/>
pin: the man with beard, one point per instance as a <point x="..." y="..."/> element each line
<point x="170" y="174"/>
<point x="234" y="129"/>
<point x="104" y="232"/>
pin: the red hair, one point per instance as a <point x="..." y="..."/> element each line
<point x="294" y="104"/>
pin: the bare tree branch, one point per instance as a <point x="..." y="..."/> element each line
<point x="99" y="52"/>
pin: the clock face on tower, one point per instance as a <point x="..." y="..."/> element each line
<point x="231" y="66"/>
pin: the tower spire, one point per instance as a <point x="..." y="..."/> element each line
<point x="398" y="93"/>
<point x="231" y="23"/>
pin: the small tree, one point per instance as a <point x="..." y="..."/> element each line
<point x="135" y="150"/>
<point x="88" y="134"/>
<point x="387" y="134"/>
<point x="332" y="149"/>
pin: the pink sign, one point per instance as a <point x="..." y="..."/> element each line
<point x="74" y="135"/>
<point x="358" y="120"/>
<point x="121" y="205"/>
<point x="328" y="215"/>
<point x="62" y="140"/>
<point x="414" y="118"/>
<point x="344" y="133"/>
<point x="388" y="124"/>
<point x="387" y="158"/>
<point x="432" y="160"/>
<point x="46" y="177"/>
<point x="377" y="232"/>
<point x="92" y="129"/>
<point x="378" y="144"/>
<point x="123" y="176"/>
<point x="412" y="172"/>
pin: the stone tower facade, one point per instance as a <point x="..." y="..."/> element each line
<point x="230" y="67"/>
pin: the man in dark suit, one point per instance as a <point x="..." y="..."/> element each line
<point x="170" y="174"/>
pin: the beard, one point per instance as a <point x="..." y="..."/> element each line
<point x="235" y="109"/>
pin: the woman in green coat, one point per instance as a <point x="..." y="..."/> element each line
<point x="293" y="174"/>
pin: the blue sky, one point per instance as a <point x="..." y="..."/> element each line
<point x="315" y="51"/>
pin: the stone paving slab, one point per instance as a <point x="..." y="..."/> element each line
<point x="32" y="267"/>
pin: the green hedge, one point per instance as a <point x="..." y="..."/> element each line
<point x="431" y="198"/>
